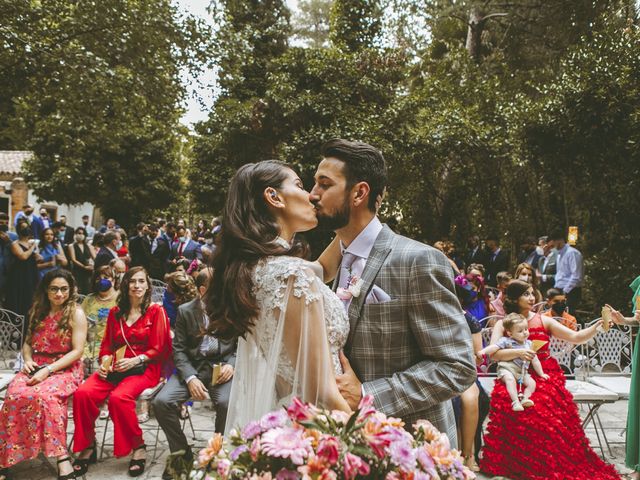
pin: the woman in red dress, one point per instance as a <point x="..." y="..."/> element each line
<point x="34" y="415"/>
<point x="545" y="441"/>
<point x="142" y="329"/>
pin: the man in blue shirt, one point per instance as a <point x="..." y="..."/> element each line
<point x="569" y="270"/>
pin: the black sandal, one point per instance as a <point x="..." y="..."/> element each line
<point x="4" y="472"/>
<point x="68" y="476"/>
<point x="81" y="465"/>
<point x="137" y="463"/>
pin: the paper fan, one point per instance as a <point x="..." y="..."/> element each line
<point x="538" y="344"/>
<point x="606" y="318"/>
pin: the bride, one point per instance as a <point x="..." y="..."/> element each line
<point x="291" y="325"/>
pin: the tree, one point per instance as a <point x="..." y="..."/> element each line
<point x="355" y="24"/>
<point x="100" y="100"/>
<point x="311" y="22"/>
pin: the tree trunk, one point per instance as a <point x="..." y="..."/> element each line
<point x="474" y="33"/>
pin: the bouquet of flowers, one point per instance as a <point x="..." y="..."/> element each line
<point x="304" y="442"/>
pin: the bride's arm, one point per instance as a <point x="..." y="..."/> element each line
<point x="306" y="344"/>
<point x="330" y="260"/>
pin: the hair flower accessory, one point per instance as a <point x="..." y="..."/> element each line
<point x="461" y="280"/>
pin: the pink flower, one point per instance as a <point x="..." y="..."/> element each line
<point x="261" y="476"/>
<point x="299" y="411"/>
<point x="430" y="432"/>
<point x="366" y="408"/>
<point x="285" y="474"/>
<point x="329" y="449"/>
<point x="403" y="455"/>
<point x="237" y="452"/>
<point x="425" y="461"/>
<point x="254" y="450"/>
<point x="287" y="443"/>
<point x="223" y="467"/>
<point x="340" y="416"/>
<point x="354" y="466"/>
<point x="273" y="420"/>
<point x="251" y="430"/>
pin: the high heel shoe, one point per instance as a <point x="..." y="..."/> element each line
<point x="81" y="465"/>
<point x="68" y="476"/>
<point x="140" y="463"/>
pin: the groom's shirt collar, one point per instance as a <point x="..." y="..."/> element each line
<point x="363" y="243"/>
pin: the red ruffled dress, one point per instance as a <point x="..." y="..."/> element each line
<point x="546" y="441"/>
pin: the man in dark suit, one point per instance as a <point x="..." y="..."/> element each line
<point x="66" y="232"/>
<point x="160" y="250"/>
<point x="475" y="254"/>
<point x="110" y="246"/>
<point x="184" y="247"/>
<point x="195" y="355"/>
<point x="497" y="260"/>
<point x="140" y="247"/>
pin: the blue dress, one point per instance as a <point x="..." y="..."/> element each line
<point x="48" y="253"/>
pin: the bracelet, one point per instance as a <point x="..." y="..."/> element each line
<point x="48" y="367"/>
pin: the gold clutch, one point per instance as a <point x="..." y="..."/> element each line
<point x="215" y="373"/>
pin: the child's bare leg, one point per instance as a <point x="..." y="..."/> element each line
<point x="512" y="387"/>
<point x="530" y="387"/>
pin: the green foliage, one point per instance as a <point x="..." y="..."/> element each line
<point x="96" y="96"/>
<point x="355" y="24"/>
<point x="311" y="23"/>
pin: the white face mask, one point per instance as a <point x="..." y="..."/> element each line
<point x="79" y="237"/>
<point x="539" y="250"/>
<point x="119" y="245"/>
<point x="209" y="241"/>
<point x="525" y="278"/>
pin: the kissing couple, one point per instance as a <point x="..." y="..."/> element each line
<point x="393" y="329"/>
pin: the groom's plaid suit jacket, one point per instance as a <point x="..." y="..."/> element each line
<point x="414" y="352"/>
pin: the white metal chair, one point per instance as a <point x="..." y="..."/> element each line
<point x="11" y="328"/>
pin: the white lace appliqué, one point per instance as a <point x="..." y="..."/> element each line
<point x="271" y="277"/>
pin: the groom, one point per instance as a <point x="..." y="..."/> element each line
<point x="409" y="345"/>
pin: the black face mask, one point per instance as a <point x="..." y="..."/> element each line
<point x="25" y="232"/>
<point x="559" y="308"/>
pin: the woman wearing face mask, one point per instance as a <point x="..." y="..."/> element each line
<point x="208" y="248"/>
<point x="81" y="255"/>
<point x="477" y="302"/>
<point x="526" y="273"/>
<point x="96" y="305"/>
<point x="23" y="272"/>
<point x="51" y="253"/>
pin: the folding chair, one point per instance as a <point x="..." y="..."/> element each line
<point x="11" y="327"/>
<point x="158" y="288"/>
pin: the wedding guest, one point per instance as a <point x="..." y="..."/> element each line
<point x="142" y="330"/>
<point x="446" y="248"/>
<point x="66" y="232"/>
<point x="184" y="247"/>
<point x="476" y="302"/>
<point x="547" y="266"/>
<point x="81" y="257"/>
<point x="51" y="254"/>
<point x="140" y="247"/>
<point x="23" y="272"/>
<point x="90" y="229"/>
<point x="119" y="269"/>
<point x="526" y="273"/>
<point x="529" y="252"/>
<point x="44" y="218"/>
<point x="111" y="243"/>
<point x="181" y="289"/>
<point x="557" y="308"/>
<point x="503" y="279"/>
<point x="632" y="454"/>
<point x="123" y="251"/>
<point x="6" y="239"/>
<point x="208" y="248"/>
<point x="553" y="425"/>
<point x="195" y="355"/>
<point x="476" y="269"/>
<point x="96" y="306"/>
<point x="200" y="231"/>
<point x="34" y="222"/>
<point x="34" y="414"/>
<point x="569" y="270"/>
<point x="475" y="253"/>
<point x="109" y="226"/>
<point x="497" y="260"/>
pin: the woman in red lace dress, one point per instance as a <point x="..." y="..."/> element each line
<point x="142" y="329"/>
<point x="34" y="415"/>
<point x="545" y="441"/>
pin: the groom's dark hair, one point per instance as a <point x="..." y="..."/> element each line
<point x="362" y="163"/>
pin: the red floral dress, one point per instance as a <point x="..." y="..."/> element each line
<point x="34" y="418"/>
<point x="545" y="441"/>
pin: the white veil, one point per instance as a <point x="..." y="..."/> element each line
<point x="288" y="352"/>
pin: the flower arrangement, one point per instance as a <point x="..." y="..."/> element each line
<point x="304" y="442"/>
<point x="353" y="290"/>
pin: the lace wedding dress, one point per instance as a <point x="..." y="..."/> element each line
<point x="294" y="347"/>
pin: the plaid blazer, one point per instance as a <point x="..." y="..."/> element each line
<point x="413" y="353"/>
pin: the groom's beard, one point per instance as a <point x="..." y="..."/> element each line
<point x="339" y="219"/>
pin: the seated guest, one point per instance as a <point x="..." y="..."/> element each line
<point x="476" y="269"/>
<point x="96" y="306"/>
<point x="526" y="273"/>
<point x="34" y="415"/>
<point x="503" y="279"/>
<point x="51" y="253"/>
<point x="194" y="355"/>
<point x="140" y="330"/>
<point x="111" y="225"/>
<point x="180" y="289"/>
<point x="119" y="269"/>
<point x="477" y="302"/>
<point x="81" y="256"/>
<point x="184" y="247"/>
<point x="111" y="243"/>
<point x="557" y="303"/>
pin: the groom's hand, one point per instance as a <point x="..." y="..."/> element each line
<point x="348" y="383"/>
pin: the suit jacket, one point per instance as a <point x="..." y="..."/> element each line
<point x="103" y="257"/>
<point x="548" y="269"/>
<point x="414" y="352"/>
<point x="191" y="250"/>
<point x="140" y="251"/>
<point x="496" y="265"/>
<point x="186" y="344"/>
<point x="479" y="256"/>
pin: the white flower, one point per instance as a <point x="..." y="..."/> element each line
<point x="356" y="287"/>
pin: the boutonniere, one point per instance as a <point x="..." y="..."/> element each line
<point x="353" y="289"/>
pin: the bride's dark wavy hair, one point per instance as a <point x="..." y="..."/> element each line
<point x="247" y="235"/>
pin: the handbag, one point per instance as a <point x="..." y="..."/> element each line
<point x="116" y="377"/>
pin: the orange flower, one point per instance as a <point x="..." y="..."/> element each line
<point x="211" y="450"/>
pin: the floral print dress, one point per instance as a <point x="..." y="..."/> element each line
<point x="33" y="418"/>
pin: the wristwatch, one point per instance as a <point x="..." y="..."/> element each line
<point x="142" y="358"/>
<point x="48" y="367"/>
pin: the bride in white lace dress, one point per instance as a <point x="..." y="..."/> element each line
<point x="292" y="326"/>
